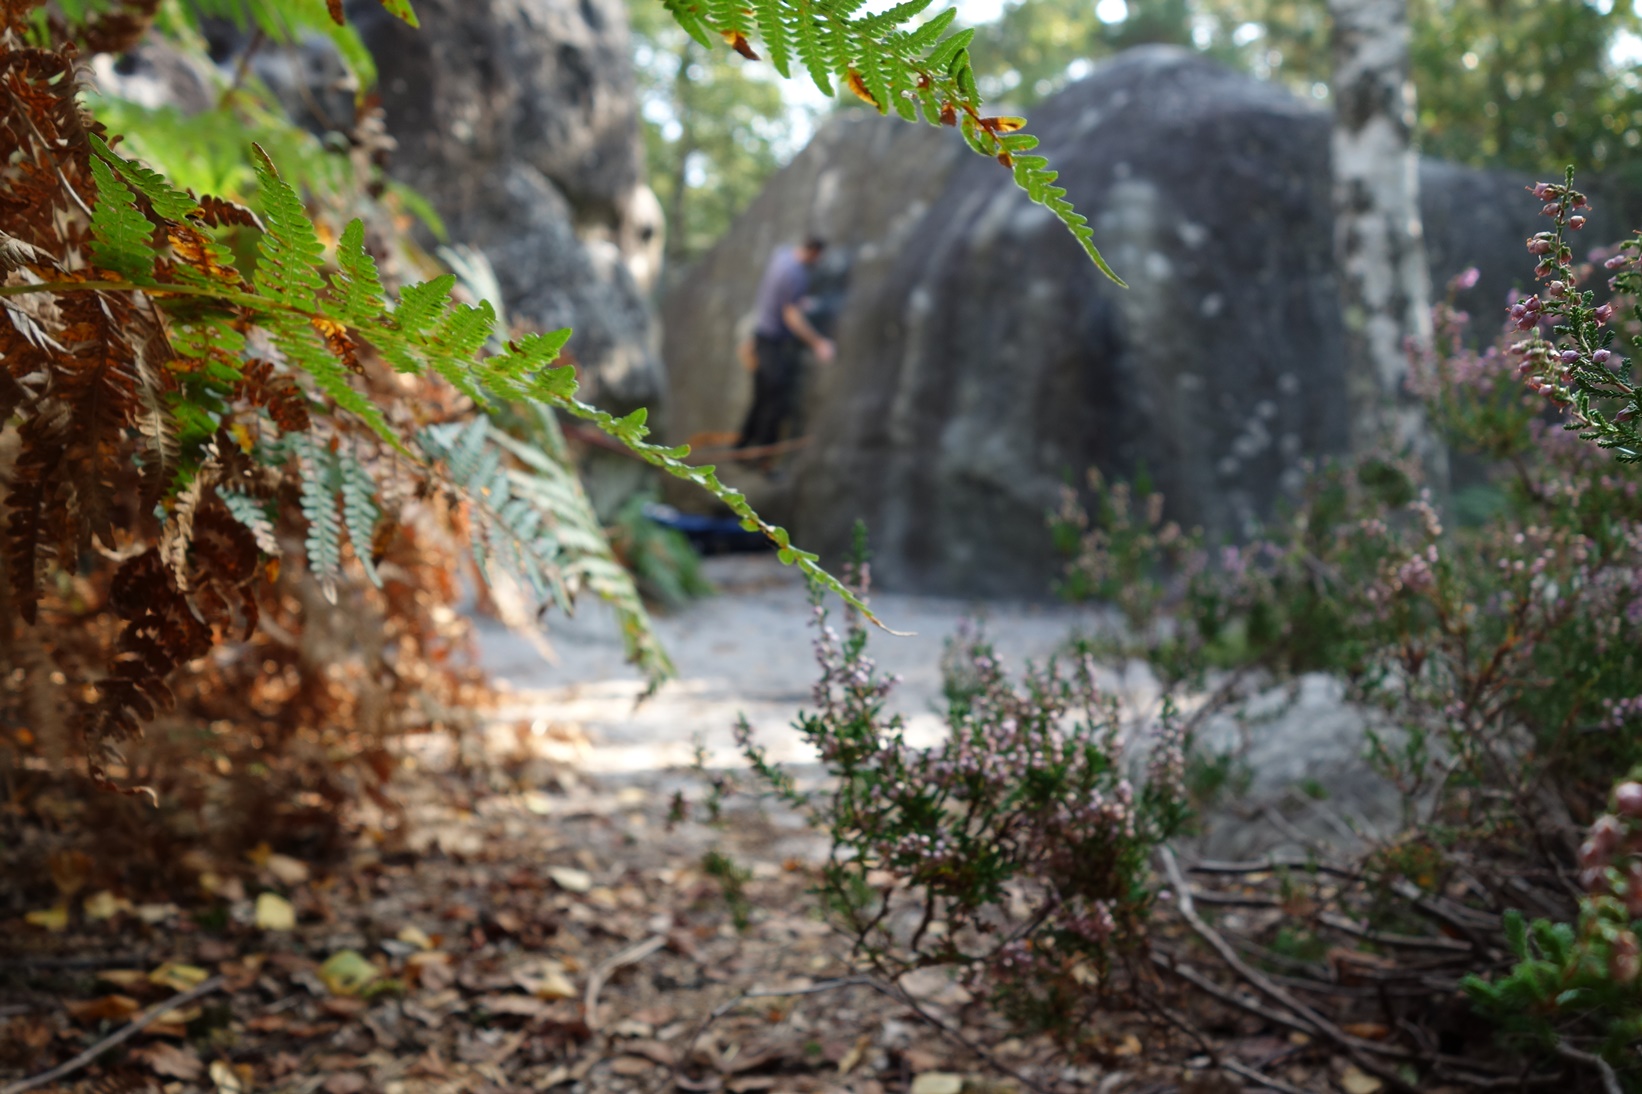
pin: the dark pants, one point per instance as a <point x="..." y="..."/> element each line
<point x="775" y="391"/>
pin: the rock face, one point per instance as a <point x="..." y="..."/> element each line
<point x="518" y="121"/>
<point x="982" y="360"/>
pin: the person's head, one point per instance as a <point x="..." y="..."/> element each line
<point x="809" y="252"/>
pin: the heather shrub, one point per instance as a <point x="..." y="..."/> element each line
<point x="1015" y="852"/>
<point x="1497" y="632"/>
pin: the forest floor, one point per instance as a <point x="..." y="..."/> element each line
<point x="533" y="915"/>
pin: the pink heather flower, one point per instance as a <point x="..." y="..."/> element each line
<point x="1616" y="262"/>
<point x="1540" y="245"/>
<point x="1576" y="222"/>
<point x="1468" y="279"/>
<point x="1544" y="191"/>
<point x="1601" y="356"/>
<point x="1557" y="289"/>
<point x="1551" y="209"/>
<point x="1628" y="799"/>
<point x="1569" y="356"/>
<point x="1603" y="314"/>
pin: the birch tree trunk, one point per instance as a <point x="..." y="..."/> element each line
<point x="1379" y="247"/>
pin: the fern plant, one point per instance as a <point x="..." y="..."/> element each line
<point x="138" y="343"/>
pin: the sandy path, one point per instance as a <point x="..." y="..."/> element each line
<point x="745" y="651"/>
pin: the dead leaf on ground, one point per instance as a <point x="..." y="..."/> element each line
<point x="570" y="879"/>
<point x="287" y="870"/>
<point x="170" y="1061"/>
<point x="937" y="1082"/>
<point x="345" y="1082"/>
<point x="512" y="1003"/>
<point x="53" y="919"/>
<point x="107" y="1008"/>
<point x="229" y="1079"/>
<point x="347" y="972"/>
<point x="545" y="979"/>
<point x="1356" y="1081"/>
<point x="274" y="913"/>
<point x="178" y="977"/>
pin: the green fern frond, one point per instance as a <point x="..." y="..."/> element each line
<point x="120" y="234"/>
<point x="168" y="201"/>
<point x="290" y="252"/>
<point x="359" y="296"/>
<point x="324" y="539"/>
<point x="360" y="512"/>
<point x="301" y="345"/>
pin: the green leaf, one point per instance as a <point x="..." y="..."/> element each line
<point x="120" y="234"/>
<point x="1516" y="933"/>
<point x="401" y="9"/>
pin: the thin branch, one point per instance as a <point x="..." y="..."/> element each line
<point x="1610" y="1081"/>
<point x="899" y="994"/>
<point x="1358" y="1049"/>
<point x="1270" y="866"/>
<point x="1385" y="938"/>
<point x="755" y="993"/>
<point x="1259" y="1077"/>
<point x="637" y="952"/>
<point x="120" y="1036"/>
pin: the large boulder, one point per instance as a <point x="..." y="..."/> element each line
<point x="518" y="121"/>
<point x="983" y="361"/>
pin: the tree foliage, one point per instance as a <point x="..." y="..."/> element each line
<point x="1506" y="82"/>
<point x="715" y="127"/>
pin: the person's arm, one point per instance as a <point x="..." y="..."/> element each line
<point x="799" y="324"/>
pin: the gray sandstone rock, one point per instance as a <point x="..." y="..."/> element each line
<point x="982" y="359"/>
<point x="518" y="120"/>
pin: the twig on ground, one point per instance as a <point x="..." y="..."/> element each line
<point x="722" y="1009"/>
<point x="1359" y="1050"/>
<point x="1610" y="1080"/>
<point x="118" y="1037"/>
<point x="1254" y="1075"/>
<point x="638" y="951"/>
<point x="1385" y="938"/>
<point x="1270" y="866"/>
<point x="899" y="994"/>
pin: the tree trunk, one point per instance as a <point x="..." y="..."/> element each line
<point x="678" y="238"/>
<point x="1379" y="249"/>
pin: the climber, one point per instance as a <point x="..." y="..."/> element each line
<point x="781" y="329"/>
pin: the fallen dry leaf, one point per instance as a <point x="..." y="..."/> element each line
<point x="545" y="979"/>
<point x="852" y="1059"/>
<point x="347" y="972"/>
<point x="105" y="905"/>
<point x="226" y="1078"/>
<point x="54" y="918"/>
<point x="345" y="1082"/>
<point x="178" y="977"/>
<point x="287" y="870"/>
<point x="170" y="1061"/>
<point x="107" y="1008"/>
<point x="275" y="913"/>
<point x="513" y="1003"/>
<point x="415" y="936"/>
<point x="570" y="879"/>
<point x="1356" y="1081"/>
<point x="937" y="1082"/>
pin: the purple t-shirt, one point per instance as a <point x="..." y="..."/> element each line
<point x="786" y="280"/>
